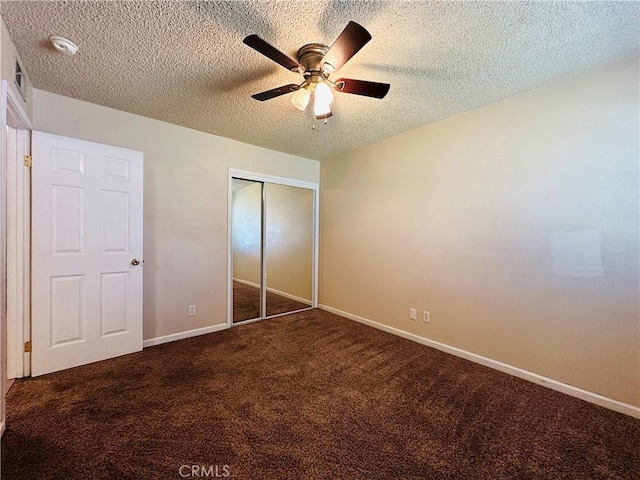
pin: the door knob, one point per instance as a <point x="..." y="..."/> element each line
<point x="135" y="262"/>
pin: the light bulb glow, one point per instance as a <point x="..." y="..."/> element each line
<point x="323" y="93"/>
<point x="322" y="110"/>
<point x="300" y="99"/>
<point x="323" y="96"/>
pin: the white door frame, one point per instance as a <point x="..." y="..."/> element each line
<point x="18" y="240"/>
<point x="260" y="177"/>
<point x="11" y="113"/>
<point x="18" y="251"/>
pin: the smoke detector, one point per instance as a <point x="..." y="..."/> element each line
<point x="63" y="45"/>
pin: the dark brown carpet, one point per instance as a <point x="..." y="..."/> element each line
<point x="246" y="303"/>
<point x="306" y="396"/>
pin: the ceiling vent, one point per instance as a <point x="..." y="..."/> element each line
<point x="20" y="80"/>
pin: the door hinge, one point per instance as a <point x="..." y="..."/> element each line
<point x="27" y="161"/>
<point x="27" y="347"/>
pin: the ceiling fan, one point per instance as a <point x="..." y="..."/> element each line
<point x="316" y="62"/>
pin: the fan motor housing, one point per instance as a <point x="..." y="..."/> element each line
<point x="310" y="57"/>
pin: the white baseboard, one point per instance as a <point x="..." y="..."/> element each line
<point x="277" y="292"/>
<point x="246" y="282"/>
<point x="182" y="335"/>
<point x="577" y="392"/>
<point x="289" y="296"/>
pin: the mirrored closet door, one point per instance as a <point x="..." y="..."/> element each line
<point x="246" y="239"/>
<point x="273" y="247"/>
<point x="288" y="248"/>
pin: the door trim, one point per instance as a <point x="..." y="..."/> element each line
<point x="19" y="240"/>
<point x="18" y="253"/>
<point x="12" y="113"/>
<point x="260" y="177"/>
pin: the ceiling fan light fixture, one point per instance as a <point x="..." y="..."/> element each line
<point x="323" y="93"/>
<point x="301" y="98"/>
<point x="322" y="98"/>
<point x="324" y="114"/>
<point x="316" y="62"/>
<point x="321" y="110"/>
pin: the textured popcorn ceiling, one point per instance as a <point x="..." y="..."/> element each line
<point x="185" y="63"/>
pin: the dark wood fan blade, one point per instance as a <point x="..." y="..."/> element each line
<point x="362" y="87"/>
<point x="275" y="92"/>
<point x="269" y="51"/>
<point x="350" y="41"/>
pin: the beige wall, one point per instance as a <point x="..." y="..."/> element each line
<point x="185" y="203"/>
<point x="515" y="225"/>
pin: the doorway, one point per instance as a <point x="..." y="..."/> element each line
<point x="272" y="246"/>
<point x="18" y="147"/>
<point x="14" y="240"/>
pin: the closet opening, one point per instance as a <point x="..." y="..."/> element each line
<point x="272" y="246"/>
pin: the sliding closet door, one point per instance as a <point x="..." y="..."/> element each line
<point x="273" y="246"/>
<point x="246" y="234"/>
<point x="289" y="235"/>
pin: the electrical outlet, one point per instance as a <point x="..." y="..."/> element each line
<point x="413" y="314"/>
<point x="192" y="310"/>
<point x="426" y="317"/>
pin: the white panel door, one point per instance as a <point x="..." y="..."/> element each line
<point x="86" y="242"/>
